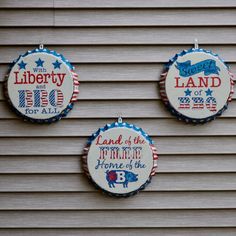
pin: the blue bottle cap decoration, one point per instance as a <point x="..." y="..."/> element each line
<point x="196" y="86"/>
<point x="42" y="86"/>
<point x="120" y="159"/>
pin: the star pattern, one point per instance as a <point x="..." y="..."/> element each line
<point x="209" y="92"/>
<point x="188" y="92"/>
<point x="39" y="62"/>
<point x="22" y="65"/>
<point x="57" y="64"/>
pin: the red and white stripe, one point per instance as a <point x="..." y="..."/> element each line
<point x="44" y="95"/>
<point x="29" y="99"/>
<point x="232" y="87"/>
<point x="76" y="87"/>
<point x="211" y="107"/>
<point x="184" y="106"/>
<point x="155" y="158"/>
<point x="60" y="98"/>
<point x="198" y="106"/>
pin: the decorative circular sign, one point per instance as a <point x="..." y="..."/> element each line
<point x="197" y="86"/>
<point x="42" y="86"/>
<point x="120" y="159"/>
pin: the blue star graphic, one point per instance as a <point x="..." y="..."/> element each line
<point x="57" y="64"/>
<point x="39" y="62"/>
<point x="188" y="92"/>
<point x="209" y="92"/>
<point x="22" y="65"/>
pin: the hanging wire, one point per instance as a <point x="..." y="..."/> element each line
<point x="119" y="119"/>
<point x="196" y="43"/>
<point x="41" y="46"/>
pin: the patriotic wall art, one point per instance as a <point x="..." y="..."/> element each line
<point x="42" y="86"/>
<point x="196" y="86"/>
<point x="120" y="159"/>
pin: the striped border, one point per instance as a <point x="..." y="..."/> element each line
<point x="74" y="96"/>
<point x="112" y="126"/>
<point x="166" y="100"/>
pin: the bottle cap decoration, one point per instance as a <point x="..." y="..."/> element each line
<point x="42" y="86"/>
<point x="196" y="86"/>
<point x="120" y="159"/>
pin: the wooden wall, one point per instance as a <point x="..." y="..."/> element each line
<point x="118" y="48"/>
